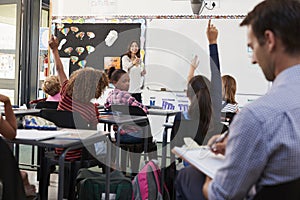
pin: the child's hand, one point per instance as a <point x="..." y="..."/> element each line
<point x="212" y="33"/>
<point x="4" y="98"/>
<point x="53" y="42"/>
<point x="195" y="62"/>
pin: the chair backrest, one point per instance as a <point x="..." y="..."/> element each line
<point x="137" y="111"/>
<point x="132" y="110"/>
<point x="65" y="119"/>
<point x="227" y="116"/>
<point x="182" y="128"/>
<point x="47" y="104"/>
<point x="128" y="110"/>
<point x="10" y="177"/>
<point x="289" y="190"/>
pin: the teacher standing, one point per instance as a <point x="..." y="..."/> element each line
<point x="131" y="63"/>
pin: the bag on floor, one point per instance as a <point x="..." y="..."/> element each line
<point x="90" y="185"/>
<point x="146" y="184"/>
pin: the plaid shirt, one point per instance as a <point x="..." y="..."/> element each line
<point x="263" y="144"/>
<point x="120" y="97"/>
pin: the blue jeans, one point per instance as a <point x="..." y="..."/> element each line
<point x="129" y="138"/>
<point x="189" y="183"/>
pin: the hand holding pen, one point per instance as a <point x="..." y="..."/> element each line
<point x="218" y="143"/>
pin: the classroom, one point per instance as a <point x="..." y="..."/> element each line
<point x="139" y="88"/>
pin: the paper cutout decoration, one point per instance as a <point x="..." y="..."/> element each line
<point x="80" y="20"/>
<point x="62" y="42"/>
<point x="111" y="37"/>
<point x="91" y="35"/>
<point x="65" y="31"/>
<point x="142" y="53"/>
<point x="74" y="29"/>
<point x="79" y="50"/>
<point x="60" y="26"/>
<point x="69" y="20"/>
<point x="68" y="50"/>
<point x="90" y="49"/>
<point x="82" y="63"/>
<point x="80" y="35"/>
<point x="73" y="59"/>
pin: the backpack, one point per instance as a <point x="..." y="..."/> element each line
<point x="146" y="184"/>
<point x="90" y="185"/>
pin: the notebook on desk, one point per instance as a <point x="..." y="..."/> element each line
<point x="202" y="158"/>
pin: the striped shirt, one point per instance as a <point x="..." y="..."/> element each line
<point x="263" y="144"/>
<point x="229" y="107"/>
<point x="88" y="111"/>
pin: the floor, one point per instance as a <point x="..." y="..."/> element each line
<point x="25" y="157"/>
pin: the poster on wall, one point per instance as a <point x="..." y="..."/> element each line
<point x="86" y="44"/>
<point x="103" y="7"/>
<point x="7" y="66"/>
<point x="112" y="62"/>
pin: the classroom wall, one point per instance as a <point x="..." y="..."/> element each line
<point x="171" y="44"/>
<point x="144" y="7"/>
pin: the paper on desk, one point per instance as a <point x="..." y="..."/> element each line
<point x="33" y="134"/>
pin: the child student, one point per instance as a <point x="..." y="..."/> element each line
<point x="52" y="87"/>
<point x="8" y="128"/>
<point x="120" y="95"/>
<point x="76" y="93"/>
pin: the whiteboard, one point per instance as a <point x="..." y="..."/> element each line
<point x="171" y="44"/>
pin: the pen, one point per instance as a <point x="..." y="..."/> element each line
<point x="220" y="139"/>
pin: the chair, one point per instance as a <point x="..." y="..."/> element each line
<point x="47" y="104"/>
<point x="289" y="190"/>
<point x="68" y="119"/>
<point x="10" y="177"/>
<point x="147" y="146"/>
<point x="227" y="117"/>
<point x="65" y="119"/>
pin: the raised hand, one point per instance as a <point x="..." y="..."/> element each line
<point x="4" y="98"/>
<point x="212" y="33"/>
<point x="195" y="62"/>
<point x="53" y="42"/>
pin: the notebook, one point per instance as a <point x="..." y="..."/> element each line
<point x="200" y="157"/>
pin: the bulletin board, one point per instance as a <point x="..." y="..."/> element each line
<point x="84" y="43"/>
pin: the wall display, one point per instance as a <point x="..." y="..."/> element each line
<point x="85" y="43"/>
<point x="169" y="42"/>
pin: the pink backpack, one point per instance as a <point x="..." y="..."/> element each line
<point x="146" y="184"/>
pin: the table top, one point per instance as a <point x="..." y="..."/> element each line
<point x="63" y="138"/>
<point x="22" y="112"/>
<point x="122" y="119"/>
<point x="154" y="111"/>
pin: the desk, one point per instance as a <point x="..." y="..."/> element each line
<point x="22" y="112"/>
<point x="89" y="137"/>
<point x="120" y="121"/>
<point x="167" y="113"/>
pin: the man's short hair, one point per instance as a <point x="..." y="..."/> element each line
<point x="282" y="17"/>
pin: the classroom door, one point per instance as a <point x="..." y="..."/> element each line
<point x="9" y="48"/>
